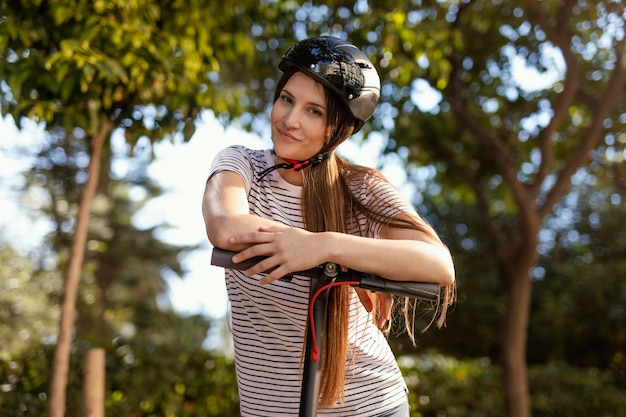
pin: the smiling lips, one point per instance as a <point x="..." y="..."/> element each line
<point x="286" y="136"/>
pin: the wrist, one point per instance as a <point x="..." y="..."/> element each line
<point x="328" y="246"/>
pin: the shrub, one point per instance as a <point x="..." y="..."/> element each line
<point x="442" y="386"/>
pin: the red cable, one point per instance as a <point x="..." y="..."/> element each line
<point x="315" y="352"/>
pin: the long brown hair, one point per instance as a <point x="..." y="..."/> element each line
<point x="328" y="204"/>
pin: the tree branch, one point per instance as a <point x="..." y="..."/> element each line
<point x="496" y="148"/>
<point x="481" y="198"/>
<point x="612" y="94"/>
<point x="560" y="37"/>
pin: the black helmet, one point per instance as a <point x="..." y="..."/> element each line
<point x="343" y="68"/>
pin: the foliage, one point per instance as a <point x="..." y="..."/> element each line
<point x="122" y="276"/>
<point x="143" y="379"/>
<point x="508" y="148"/>
<point x="560" y="390"/>
<point x="187" y="381"/>
<point x="577" y="313"/>
<point x="472" y="327"/>
<point x="86" y="68"/>
<point x="443" y="386"/>
<point x="74" y="64"/>
<point x="28" y="302"/>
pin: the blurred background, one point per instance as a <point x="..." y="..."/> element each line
<point x="503" y="122"/>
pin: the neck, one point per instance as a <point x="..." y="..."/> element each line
<point x="290" y="175"/>
<point x="295" y="166"/>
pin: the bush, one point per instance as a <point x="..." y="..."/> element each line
<point x="560" y="390"/>
<point x="141" y="381"/>
<point x="154" y="381"/>
<point x="441" y="386"/>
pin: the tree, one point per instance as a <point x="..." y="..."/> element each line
<point x="117" y="307"/>
<point x="87" y="68"/>
<point x="578" y="288"/>
<point x="577" y="311"/>
<point x="513" y="149"/>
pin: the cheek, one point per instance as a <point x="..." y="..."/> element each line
<point x="274" y="114"/>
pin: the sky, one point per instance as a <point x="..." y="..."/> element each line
<point x="181" y="170"/>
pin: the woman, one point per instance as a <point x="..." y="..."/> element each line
<point x="301" y="205"/>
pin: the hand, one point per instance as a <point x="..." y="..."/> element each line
<point x="385" y="303"/>
<point x="287" y="250"/>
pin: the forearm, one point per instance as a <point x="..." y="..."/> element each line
<point x="226" y="213"/>
<point x="400" y="260"/>
<point x="220" y="228"/>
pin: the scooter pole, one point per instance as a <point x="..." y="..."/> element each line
<point x="310" y="392"/>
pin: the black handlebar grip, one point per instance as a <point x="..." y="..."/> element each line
<point x="224" y="258"/>
<point x="422" y="290"/>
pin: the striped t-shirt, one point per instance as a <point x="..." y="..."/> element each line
<point x="268" y="321"/>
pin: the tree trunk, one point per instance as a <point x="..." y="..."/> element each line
<point x="514" y="339"/>
<point x="94" y="382"/>
<point x="64" y="342"/>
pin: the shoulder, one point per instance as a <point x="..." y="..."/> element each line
<point x="371" y="189"/>
<point x="242" y="160"/>
<point x="238" y="155"/>
<point x="368" y="183"/>
<point x="240" y="150"/>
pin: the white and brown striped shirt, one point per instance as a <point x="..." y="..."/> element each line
<point x="268" y="321"/>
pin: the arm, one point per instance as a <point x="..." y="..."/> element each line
<point x="400" y="254"/>
<point x="225" y="211"/>
<point x="226" y="214"/>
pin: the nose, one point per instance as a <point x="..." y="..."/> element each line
<point x="291" y="119"/>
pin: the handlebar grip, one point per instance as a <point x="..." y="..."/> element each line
<point x="422" y="290"/>
<point x="224" y="258"/>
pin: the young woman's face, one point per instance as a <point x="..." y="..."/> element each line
<point x="298" y="118"/>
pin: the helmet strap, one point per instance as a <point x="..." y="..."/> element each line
<point x="295" y="164"/>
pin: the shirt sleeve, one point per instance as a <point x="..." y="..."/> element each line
<point x="384" y="199"/>
<point x="234" y="159"/>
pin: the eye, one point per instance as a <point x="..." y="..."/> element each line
<point x="286" y="98"/>
<point x="316" y="112"/>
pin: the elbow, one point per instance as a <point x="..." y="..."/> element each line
<point x="218" y="240"/>
<point x="448" y="277"/>
<point x="218" y="236"/>
<point x="447" y="274"/>
<point x="217" y="227"/>
<point x="220" y="229"/>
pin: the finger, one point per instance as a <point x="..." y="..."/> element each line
<point x="275" y="275"/>
<point x="253" y="237"/>
<point x="253" y="251"/>
<point x="272" y="229"/>
<point x="266" y="265"/>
